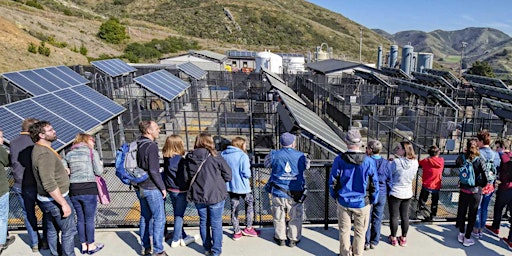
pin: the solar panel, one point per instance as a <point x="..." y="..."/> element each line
<point x="246" y="54"/>
<point x="501" y="109"/>
<point x="11" y="124"/>
<point x="98" y="99"/>
<point x="163" y="84"/>
<point x="372" y="77"/>
<point x="486" y="80"/>
<point x="268" y="72"/>
<point x="113" y="67"/>
<point x="493" y="92"/>
<point x="425" y="91"/>
<point x="433" y="80"/>
<point x="192" y="70"/>
<point x="283" y="88"/>
<point x="444" y="74"/>
<point x="313" y="125"/>
<point x="395" y="72"/>
<point x="40" y="81"/>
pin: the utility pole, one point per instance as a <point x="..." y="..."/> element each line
<point x="360" y="43"/>
<point x="464" y="44"/>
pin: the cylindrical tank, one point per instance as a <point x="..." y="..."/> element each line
<point x="425" y="60"/>
<point x="379" y="57"/>
<point x="393" y="55"/>
<point x="414" y="61"/>
<point x="407" y="51"/>
<point x="321" y="55"/>
<point x="270" y="61"/>
<point x="295" y="64"/>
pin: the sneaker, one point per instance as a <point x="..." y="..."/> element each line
<point x="168" y="236"/>
<point x="279" y="241"/>
<point x="187" y="240"/>
<point x="402" y="241"/>
<point x="237" y="236"/>
<point x="393" y="241"/>
<point x="35" y="248"/>
<point x="494" y="231"/>
<point x="461" y="238"/>
<point x="372" y="246"/>
<point x="293" y="243"/>
<point x="250" y="232"/>
<point x="146" y="251"/>
<point x="208" y="253"/>
<point x="175" y="244"/>
<point x="8" y="242"/>
<point x="366" y="247"/>
<point x="468" y="242"/>
<point x="43" y="245"/>
<point x="476" y="235"/>
<point x="507" y="242"/>
<point x="160" y="254"/>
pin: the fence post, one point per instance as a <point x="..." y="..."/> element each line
<point x="326" y="205"/>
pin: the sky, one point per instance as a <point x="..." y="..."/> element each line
<point x="426" y="15"/>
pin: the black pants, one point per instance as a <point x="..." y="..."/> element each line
<point x="423" y="201"/>
<point x="468" y="204"/>
<point x="399" y="206"/>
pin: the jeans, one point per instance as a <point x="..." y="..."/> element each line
<point x="28" y="199"/>
<point x="4" y="216"/>
<point x="423" y="201"/>
<point x="56" y="222"/>
<point x="376" y="214"/>
<point x="481" y="214"/>
<point x="468" y="204"/>
<point x="151" y="208"/>
<point x="397" y="207"/>
<point x="179" y="205"/>
<point x="249" y="210"/>
<point x="85" y="208"/>
<point x="210" y="226"/>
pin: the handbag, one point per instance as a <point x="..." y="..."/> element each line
<point x="194" y="177"/>
<point x="101" y="184"/>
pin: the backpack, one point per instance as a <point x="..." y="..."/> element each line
<point x="467" y="172"/>
<point x="126" y="164"/>
<point x="490" y="171"/>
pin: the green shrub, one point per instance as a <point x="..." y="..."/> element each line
<point x="51" y="40"/>
<point x="112" y="31"/>
<point x="42" y="49"/>
<point x="32" y="47"/>
<point x="67" y="12"/>
<point x="83" y="50"/>
<point x="74" y="49"/>
<point x="35" y="4"/>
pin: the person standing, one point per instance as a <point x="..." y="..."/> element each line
<point x="432" y="167"/>
<point x="151" y="192"/>
<point x="240" y="186"/>
<point x="377" y="210"/>
<point x="53" y="188"/>
<point x="207" y="174"/>
<point x="353" y="184"/>
<point x="84" y="164"/>
<point x="4" y="198"/>
<point x="25" y="184"/>
<point x="287" y="186"/>
<point x="404" y="169"/>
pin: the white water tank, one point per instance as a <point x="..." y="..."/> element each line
<point x="295" y="64"/>
<point x="270" y="61"/>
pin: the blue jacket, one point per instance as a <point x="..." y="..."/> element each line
<point x="288" y="166"/>
<point x="240" y="165"/>
<point x="358" y="179"/>
<point x="384" y="173"/>
<point x="82" y="167"/>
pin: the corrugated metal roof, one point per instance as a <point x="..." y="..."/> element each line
<point x="332" y="65"/>
<point x="210" y="55"/>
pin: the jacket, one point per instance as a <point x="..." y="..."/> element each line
<point x="174" y="175"/>
<point x="149" y="160"/>
<point x="240" y="165"/>
<point x="505" y="175"/>
<point x="384" y="173"/>
<point x="209" y="186"/>
<point x="357" y="176"/>
<point x="288" y="166"/>
<point x="432" y="172"/>
<point x="486" y="153"/>
<point x="4" y="161"/>
<point x="82" y="167"/>
<point x="49" y="171"/>
<point x="21" y="160"/>
<point x="404" y="172"/>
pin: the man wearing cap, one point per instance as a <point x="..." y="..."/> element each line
<point x="287" y="187"/>
<point x="353" y="184"/>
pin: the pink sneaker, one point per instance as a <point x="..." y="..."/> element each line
<point x="402" y="241"/>
<point x="237" y="236"/>
<point x="250" y="232"/>
<point x="392" y="240"/>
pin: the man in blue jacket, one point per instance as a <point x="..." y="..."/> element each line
<point x="287" y="186"/>
<point x="353" y="183"/>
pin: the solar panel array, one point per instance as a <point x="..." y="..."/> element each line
<point x="314" y="125"/>
<point x="493" y="92"/>
<point x="70" y="111"/>
<point x="283" y="88"/>
<point x="395" y="72"/>
<point x="486" y="80"/>
<point x="444" y="74"/>
<point x="163" y="84"/>
<point x="192" y="70"/>
<point x="432" y="80"/>
<point x="245" y="54"/>
<point x="501" y="109"/>
<point x="44" y="80"/>
<point x="268" y="72"/>
<point x="113" y="67"/>
<point x="372" y="77"/>
<point x="426" y="91"/>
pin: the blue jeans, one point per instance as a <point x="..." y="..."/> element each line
<point x="179" y="205"/>
<point x="210" y="226"/>
<point x="4" y="216"/>
<point x="481" y="214"/>
<point x="376" y="213"/>
<point x="28" y="199"/>
<point x="56" y="222"/>
<point x="85" y="208"/>
<point x="151" y="208"/>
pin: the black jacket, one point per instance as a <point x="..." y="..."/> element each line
<point x="148" y="159"/>
<point x="174" y="174"/>
<point x="209" y="186"/>
<point x="21" y="160"/>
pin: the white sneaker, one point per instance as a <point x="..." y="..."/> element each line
<point x="460" y="237"/>
<point x="468" y="242"/>
<point x="187" y="240"/>
<point x="175" y="244"/>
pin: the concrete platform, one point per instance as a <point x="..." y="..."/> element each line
<point x="423" y="240"/>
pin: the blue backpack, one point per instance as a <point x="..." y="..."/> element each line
<point x="467" y="172"/>
<point x="490" y="171"/>
<point x="126" y="164"/>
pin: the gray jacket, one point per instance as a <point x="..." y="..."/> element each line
<point x="83" y="169"/>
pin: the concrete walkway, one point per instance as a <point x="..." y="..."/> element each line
<point x="423" y="240"/>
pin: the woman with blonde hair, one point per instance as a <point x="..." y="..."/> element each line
<point x="175" y="179"/>
<point x="84" y="165"/>
<point x="208" y="173"/>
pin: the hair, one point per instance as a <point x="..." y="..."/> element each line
<point x="82" y="138"/>
<point x="472" y="149"/>
<point x="36" y="129"/>
<point x="484" y="136"/>
<point x="433" y="150"/>
<point x="238" y="142"/>
<point x="409" y="150"/>
<point x="205" y="140"/>
<point x="504" y="144"/>
<point x="173" y="146"/>
<point x="144" y="126"/>
<point x="25" y="126"/>
<point x="375" y="146"/>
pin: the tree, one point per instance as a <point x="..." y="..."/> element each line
<point x="112" y="31"/>
<point x="481" y="68"/>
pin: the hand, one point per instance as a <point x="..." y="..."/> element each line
<point x="66" y="210"/>
<point x="68" y="171"/>
<point x="164" y="193"/>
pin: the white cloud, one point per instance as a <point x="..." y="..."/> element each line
<point x="468" y="17"/>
